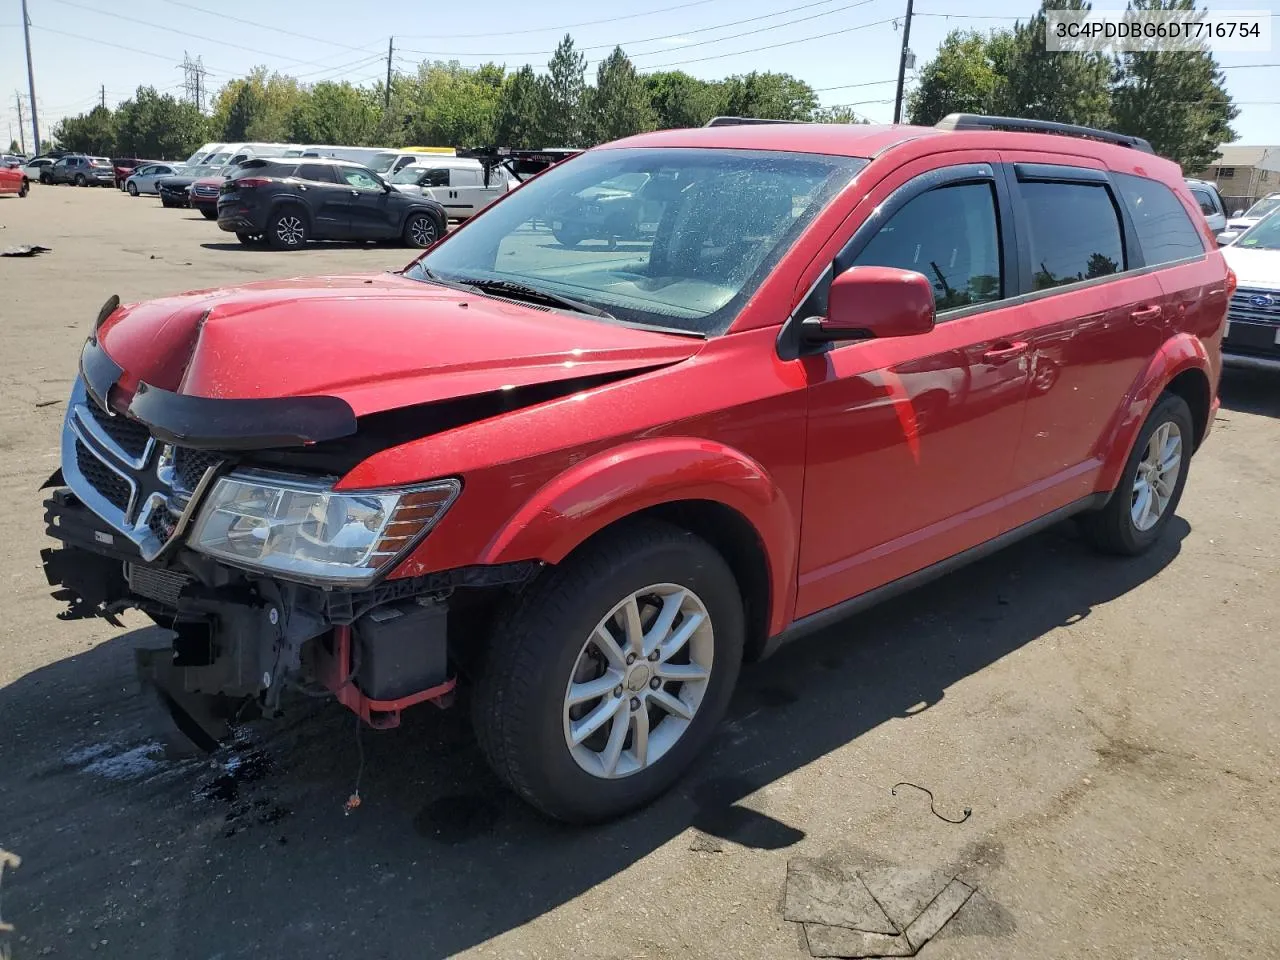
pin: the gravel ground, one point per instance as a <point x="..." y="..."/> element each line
<point x="1113" y="726"/>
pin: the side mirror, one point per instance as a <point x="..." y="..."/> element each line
<point x="1225" y="238"/>
<point x="874" y="302"/>
<point x="1238" y="213"/>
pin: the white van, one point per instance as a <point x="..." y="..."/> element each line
<point x="384" y="161"/>
<point x="456" y="183"/>
<point x="200" y="156"/>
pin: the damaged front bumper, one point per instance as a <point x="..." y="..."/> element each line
<point x="241" y="638"/>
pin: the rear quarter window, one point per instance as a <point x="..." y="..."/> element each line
<point x="316" y="172"/>
<point x="1164" y="227"/>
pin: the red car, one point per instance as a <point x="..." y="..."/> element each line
<point x="828" y="364"/>
<point x="13" y="180"/>
<point x="204" y="195"/>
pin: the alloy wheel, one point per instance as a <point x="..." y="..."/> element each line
<point x="423" y="231"/>
<point x="290" y="230"/>
<point x="1157" y="476"/>
<point x="638" y="681"/>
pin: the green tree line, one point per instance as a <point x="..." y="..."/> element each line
<point x="1176" y="100"/>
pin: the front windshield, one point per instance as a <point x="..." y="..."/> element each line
<point x="673" y="238"/>
<point x="382" y="162"/>
<point x="217" y="160"/>
<point x="1263" y="235"/>
<point x="1263" y="207"/>
<point x="411" y="175"/>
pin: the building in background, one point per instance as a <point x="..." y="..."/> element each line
<point x="1244" y="174"/>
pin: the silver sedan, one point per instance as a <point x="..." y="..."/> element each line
<point x="144" y="179"/>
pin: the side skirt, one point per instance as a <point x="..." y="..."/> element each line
<point x="847" y="608"/>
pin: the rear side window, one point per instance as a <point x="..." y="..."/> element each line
<point x="317" y="172"/>
<point x="1207" y="205"/>
<point x="1075" y="232"/>
<point x="951" y="235"/>
<point x="1164" y="228"/>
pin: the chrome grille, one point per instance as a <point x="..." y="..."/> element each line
<point x="131" y="436"/>
<point x="1255" y="306"/>
<point x="114" y="487"/>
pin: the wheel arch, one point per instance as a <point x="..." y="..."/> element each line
<point x="1181" y="366"/>
<point x="290" y="200"/>
<point x="709" y="489"/>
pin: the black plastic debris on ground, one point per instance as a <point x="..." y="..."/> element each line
<point x="28" y="250"/>
<point x="239" y="770"/>
<point x="880" y="912"/>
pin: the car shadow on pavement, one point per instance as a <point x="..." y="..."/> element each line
<point x="239" y="247"/>
<point x="255" y="857"/>
<point x="1250" y="391"/>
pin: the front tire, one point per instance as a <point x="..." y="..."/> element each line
<point x="81" y="181"/>
<point x="604" y="682"/>
<point x="132" y="189"/>
<point x="210" y="214"/>
<point x="287" y="229"/>
<point x="25" y="188"/>
<point x="1151" y="486"/>
<point x="420" y="231"/>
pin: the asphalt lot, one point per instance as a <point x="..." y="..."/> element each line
<point x="1113" y="725"/>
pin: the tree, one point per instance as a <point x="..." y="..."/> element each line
<point x="1176" y="100"/>
<point x="256" y="107"/>
<point x="332" y="112"/>
<point x="772" y="96"/>
<point x="566" y="89"/>
<point x="520" y="119"/>
<point x="837" y="114"/>
<point x="93" y="132"/>
<point x="1035" y="84"/>
<point x="961" y="78"/>
<point x="453" y="106"/>
<point x="619" y="104"/>
<point x="14" y="147"/>
<point x="157" y="125"/>
<point x="680" y="100"/>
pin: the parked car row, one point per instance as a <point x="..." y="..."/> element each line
<point x="1252" y="334"/>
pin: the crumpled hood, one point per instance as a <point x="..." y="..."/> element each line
<point x="377" y="342"/>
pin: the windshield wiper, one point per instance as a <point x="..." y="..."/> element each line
<point x="519" y="291"/>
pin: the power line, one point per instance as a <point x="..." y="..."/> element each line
<point x="566" y="26"/>
<point x="118" y="46"/>
<point x="669" y="36"/>
<point x="181" y="33"/>
<point x="264" y="26"/>
<point x="771" y="46"/>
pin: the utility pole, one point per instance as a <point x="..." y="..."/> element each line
<point x="902" y="64"/>
<point x="102" y="96"/>
<point x="31" y="76"/>
<point x="386" y="94"/>
<point x="22" y="137"/>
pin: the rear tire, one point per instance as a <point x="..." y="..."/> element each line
<point x="420" y="231"/>
<point x="568" y="237"/>
<point x="132" y="189"/>
<point x="1149" y="490"/>
<point x="210" y="214"/>
<point x="548" y="643"/>
<point x="287" y="229"/>
<point x="81" y="181"/>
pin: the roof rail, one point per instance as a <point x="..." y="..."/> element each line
<point x="973" y="121"/>
<point x="739" y="121"/>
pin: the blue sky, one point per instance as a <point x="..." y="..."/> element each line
<point x="847" y="49"/>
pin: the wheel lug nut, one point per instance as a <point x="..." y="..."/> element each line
<point x="617" y="691"/>
<point x="654" y="656"/>
<point x="635" y="703"/>
<point x="631" y="658"/>
<point x="655" y="683"/>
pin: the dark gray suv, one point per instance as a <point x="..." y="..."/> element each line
<point x="83" y="171"/>
<point x="285" y="203"/>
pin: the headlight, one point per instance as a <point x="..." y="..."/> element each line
<point x="305" y="531"/>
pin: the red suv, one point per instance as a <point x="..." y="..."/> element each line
<point x="822" y="365"/>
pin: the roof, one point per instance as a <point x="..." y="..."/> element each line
<point x="838" y="139"/>
<point x="1241" y="155"/>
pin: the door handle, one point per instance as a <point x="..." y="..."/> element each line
<point x="1004" y="351"/>
<point x="1144" y="314"/>
<point x="302" y="187"/>
<point x="355" y="193"/>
